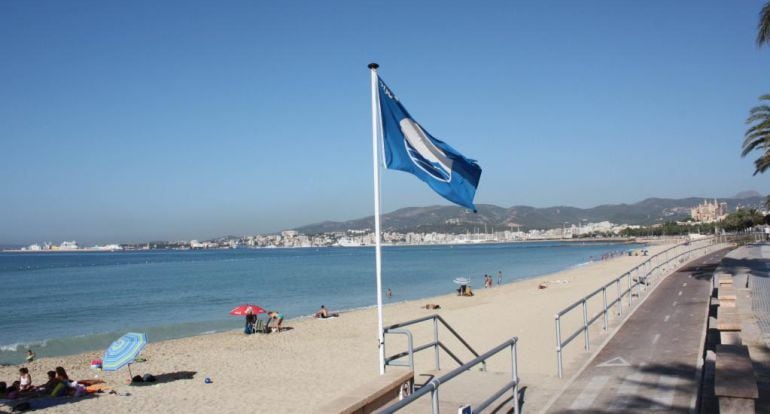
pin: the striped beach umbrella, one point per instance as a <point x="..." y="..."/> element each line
<point x="123" y="351"/>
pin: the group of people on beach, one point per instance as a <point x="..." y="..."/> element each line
<point x="58" y="384"/>
<point x="489" y="281"/>
<point x="252" y="325"/>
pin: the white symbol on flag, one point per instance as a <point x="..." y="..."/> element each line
<point x="424" y="153"/>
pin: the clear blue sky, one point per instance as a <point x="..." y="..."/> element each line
<point x="129" y="121"/>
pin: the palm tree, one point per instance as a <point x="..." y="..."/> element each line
<point x="763" y="35"/>
<point x="757" y="137"/>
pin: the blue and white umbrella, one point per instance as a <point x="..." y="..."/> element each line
<point x="123" y="351"/>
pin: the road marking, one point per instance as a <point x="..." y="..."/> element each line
<point x="627" y="392"/>
<point x="680" y="293"/>
<point x="615" y="362"/>
<point x="589" y="394"/>
<point x="655" y="339"/>
<point x="663" y="394"/>
<point x="684" y="284"/>
<point x="666" y="318"/>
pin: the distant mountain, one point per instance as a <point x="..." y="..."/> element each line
<point x="452" y="219"/>
<point x="747" y="194"/>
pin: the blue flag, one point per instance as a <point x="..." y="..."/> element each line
<point x="408" y="147"/>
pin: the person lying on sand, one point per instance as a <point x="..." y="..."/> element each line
<point x="432" y="306"/>
<point x="323" y="313"/>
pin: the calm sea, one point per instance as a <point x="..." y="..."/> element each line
<point x="65" y="303"/>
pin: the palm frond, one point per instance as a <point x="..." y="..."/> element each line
<point x="762" y="163"/>
<point x="758" y="128"/>
<point x="751" y="144"/>
<point x="762" y="118"/>
<point x="763" y="28"/>
<point x="761" y="109"/>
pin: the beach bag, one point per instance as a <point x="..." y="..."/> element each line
<point x="136" y="379"/>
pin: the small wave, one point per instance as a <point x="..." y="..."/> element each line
<point x="582" y="264"/>
<point x="23" y="345"/>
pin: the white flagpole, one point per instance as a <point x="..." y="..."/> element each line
<point x="378" y="248"/>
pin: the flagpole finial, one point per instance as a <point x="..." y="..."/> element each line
<point x="373" y="65"/>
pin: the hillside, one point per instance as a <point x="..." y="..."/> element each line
<point x="452" y="219"/>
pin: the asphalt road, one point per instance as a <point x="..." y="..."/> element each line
<point x="651" y="362"/>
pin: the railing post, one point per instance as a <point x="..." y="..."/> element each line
<point x="384" y="364"/>
<point x="585" y="324"/>
<point x="410" y="345"/>
<point x="515" y="375"/>
<point x="435" y="342"/>
<point x="620" y="298"/>
<point x="604" y="298"/>
<point x="434" y="400"/>
<point x="558" y="345"/>
<point x="629" y="291"/>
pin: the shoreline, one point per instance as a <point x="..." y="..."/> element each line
<point x="201" y="328"/>
<point x="624" y="240"/>
<point x="319" y="360"/>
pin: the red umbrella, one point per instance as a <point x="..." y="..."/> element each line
<point x="243" y="310"/>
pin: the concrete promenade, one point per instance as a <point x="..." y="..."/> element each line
<point x="651" y="364"/>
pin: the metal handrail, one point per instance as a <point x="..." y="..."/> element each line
<point x="647" y="269"/>
<point x="433" y="386"/>
<point x="435" y="344"/>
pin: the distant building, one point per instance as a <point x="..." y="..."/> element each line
<point x="709" y="212"/>
<point x="68" y="245"/>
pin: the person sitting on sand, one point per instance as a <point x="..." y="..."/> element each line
<point x="61" y="376"/>
<point x="25" y="380"/>
<point x="30" y="355"/>
<point x="251" y="322"/>
<point x="50" y="385"/>
<point x="277" y="317"/>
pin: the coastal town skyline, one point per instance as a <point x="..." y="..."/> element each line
<point x="361" y="234"/>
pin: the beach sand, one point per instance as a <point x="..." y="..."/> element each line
<point x="299" y="370"/>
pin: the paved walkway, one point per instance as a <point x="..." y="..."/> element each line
<point x="651" y="363"/>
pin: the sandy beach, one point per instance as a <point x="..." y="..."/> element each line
<point x="300" y="369"/>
